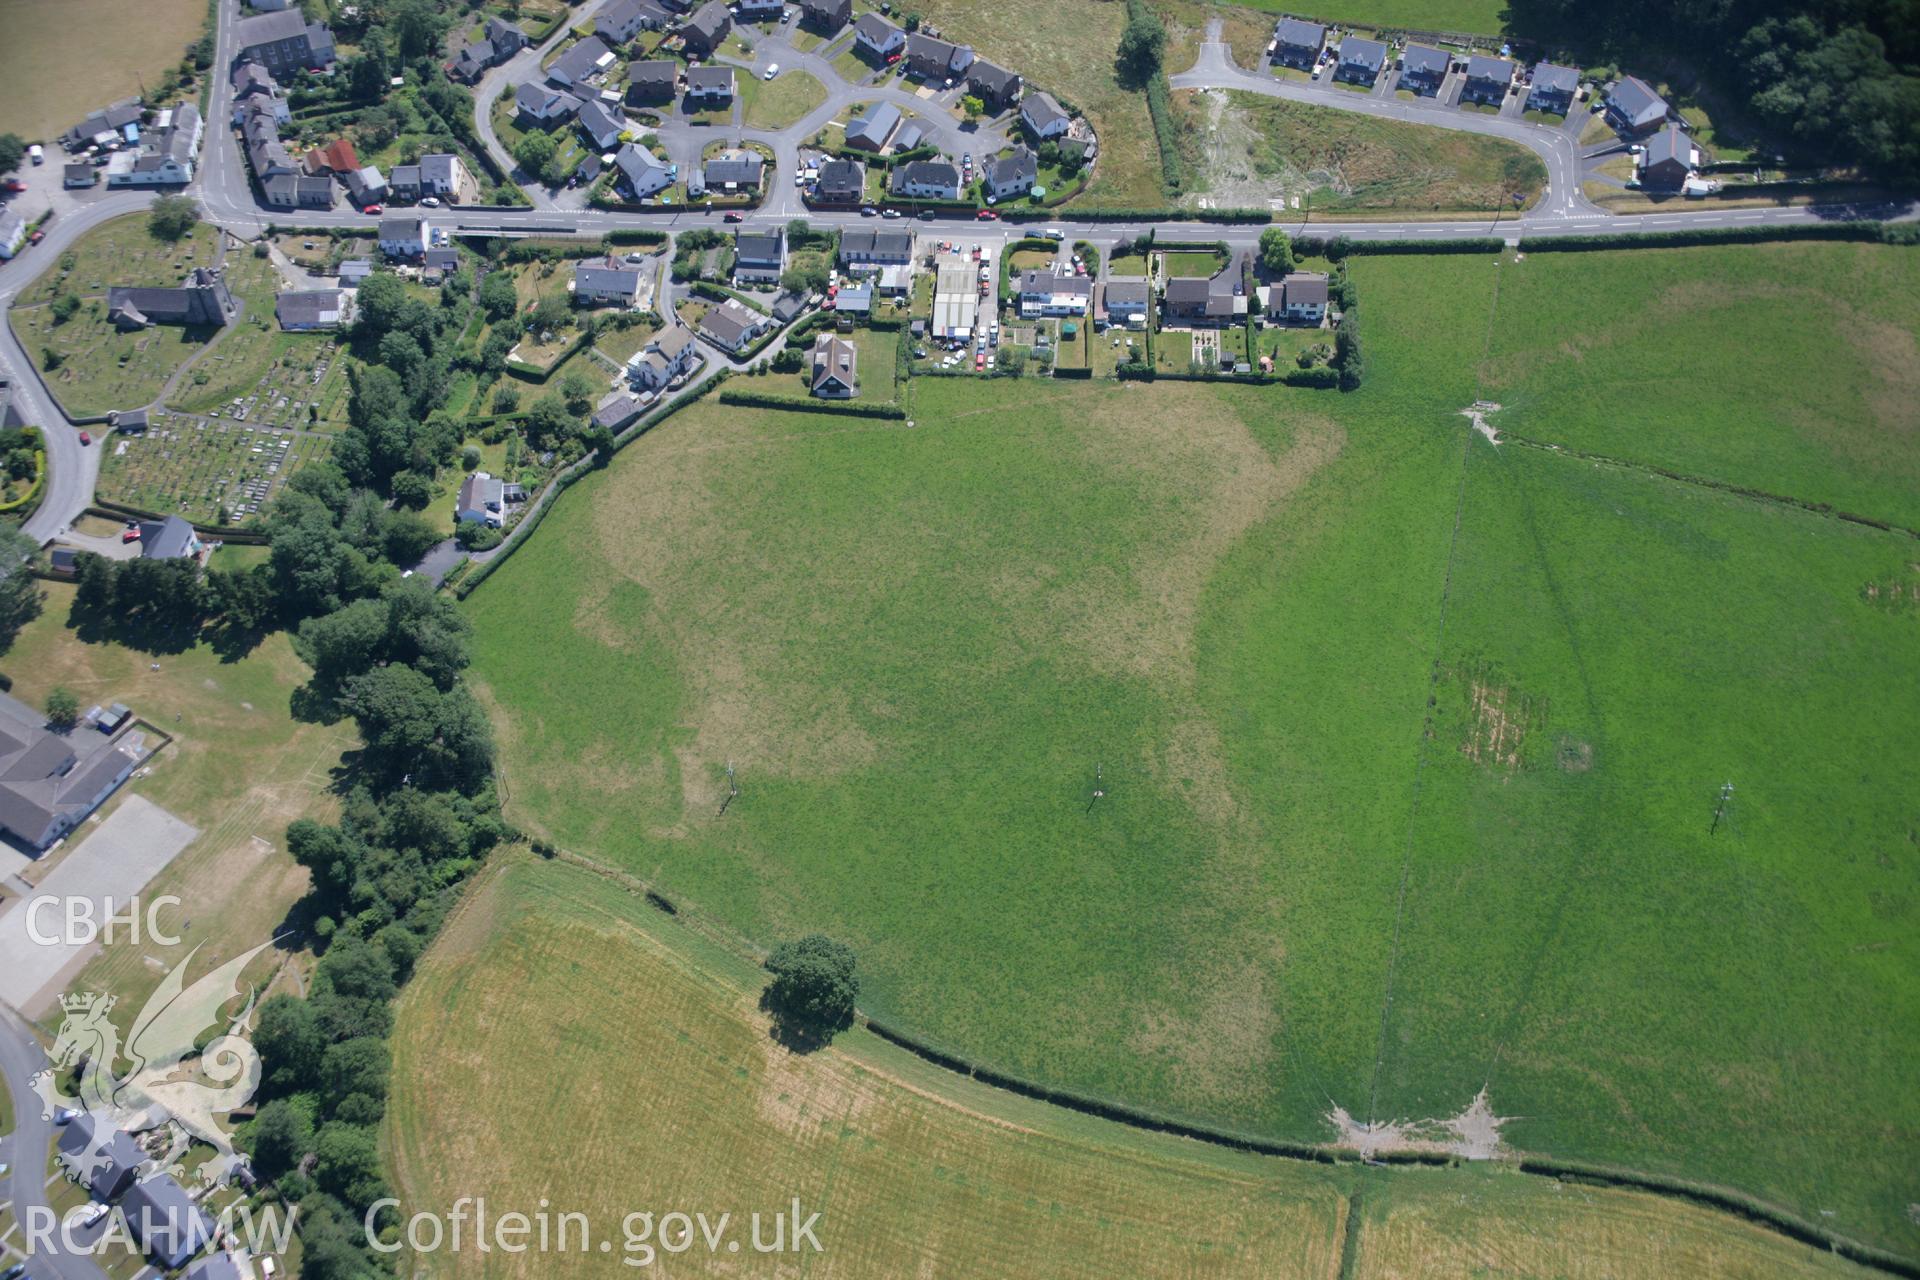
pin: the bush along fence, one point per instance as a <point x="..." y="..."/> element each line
<point x="812" y="404"/>
<point x="1896" y="233"/>
<point x="537" y="511"/>
<point x="107" y="509"/>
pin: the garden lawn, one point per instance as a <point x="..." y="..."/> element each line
<point x="777" y="103"/>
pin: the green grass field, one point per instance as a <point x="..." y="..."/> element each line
<point x="1246" y="150"/>
<point x="777" y="103"/>
<point x="1472" y="17"/>
<point x="548" y="974"/>
<point x="1410" y="744"/>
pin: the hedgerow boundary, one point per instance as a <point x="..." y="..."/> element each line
<point x="1704" y="1195"/>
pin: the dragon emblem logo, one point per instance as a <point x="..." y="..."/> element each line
<point x="171" y="1081"/>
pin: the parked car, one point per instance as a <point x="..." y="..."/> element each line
<point x="736" y="216"/>
<point x="986" y="215"/>
<point x="65" y="1115"/>
<point x="979" y="362"/>
<point x="773" y="69"/>
<point x="129" y="535"/>
<point x="431" y="202"/>
<point x="889" y="213"/>
<point x="37" y="153"/>
<point x="374" y="208"/>
<point x="926" y="215"/>
<point x="16" y="186"/>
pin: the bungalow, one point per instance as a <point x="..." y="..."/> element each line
<point x="1423" y="68"/>
<point x="1634" y="108"/>
<point x="295" y="191"/>
<point x="927" y="180"/>
<point x="405" y="237"/>
<point x="602" y="127"/>
<point x="1361" y="61"/>
<point x="305" y="310"/>
<point x="995" y="86"/>
<point x="702" y="33"/>
<point x="482" y="499"/>
<point x="641" y="172"/>
<point x="1208" y="302"/>
<point x="82" y="175"/>
<point x="622" y="20"/>
<point x="616" y="410"/>
<point x="826" y="15"/>
<point x="671" y="354"/>
<point x="652" y="82"/>
<point x="1299" y="298"/>
<point x="45" y="788"/>
<point x="1124" y="302"/>
<point x="544" y="104"/>
<point x="895" y="281"/>
<point x="1488" y="80"/>
<point x="603" y="280"/>
<point x="735" y="172"/>
<point x="879" y="39"/>
<point x="759" y="256"/>
<point x="840" y="182"/>
<point x="871" y="131"/>
<point x="578" y="65"/>
<point x="863" y="252"/>
<point x="853" y="300"/>
<point x="169" y="1226"/>
<point x="1553" y="88"/>
<point x="1297" y="43"/>
<point x="937" y="61"/>
<point x="353" y="272"/>
<point x="1670" y="159"/>
<point x="833" y="375"/>
<point x="1043" y="116"/>
<point x="732" y="326"/>
<point x="284" y="41"/>
<point x="1012" y="174"/>
<point x="99" y="1157"/>
<point x="1049" y="293"/>
<point x="709" y="86"/>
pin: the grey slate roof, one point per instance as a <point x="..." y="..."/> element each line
<point x="876" y="29"/>
<point x="606" y="276"/>
<point x="167" y="539"/>
<point x="1303" y="288"/>
<point x="1552" y="78"/>
<point x="860" y="245"/>
<point x="708" y="23"/>
<point x="991" y="80"/>
<point x="760" y="247"/>
<point x="841" y="180"/>
<point x="1635" y="99"/>
<point x="1126" y="294"/>
<point x="1299" y="34"/>
<point x="656" y="74"/>
<point x="929" y="172"/>
<point x="1423" y="60"/>
<point x="743" y="169"/>
<point x="1040" y="110"/>
<point x="710" y="79"/>
<point x="730" y="322"/>
<point x="875" y="127"/>
<point x="1358" y="52"/>
<point x="580" y="61"/>
<point x="308" y="307"/>
<point x="1496" y="70"/>
<point x="599" y="122"/>
<point x="1010" y="170"/>
<point x="169" y="1226"/>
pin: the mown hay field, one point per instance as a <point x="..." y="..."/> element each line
<point x="55" y="66"/>
<point x="566" y="1046"/>
<point x="1410" y="744"/>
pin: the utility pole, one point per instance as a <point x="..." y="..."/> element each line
<point x="733" y="790"/>
<point x="1720" y="809"/>
<point x="1098" y="789"/>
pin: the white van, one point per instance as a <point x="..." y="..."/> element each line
<point x="39" y="155"/>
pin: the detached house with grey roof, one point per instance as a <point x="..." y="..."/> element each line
<point x="1361" y="60"/>
<point x="1298" y="298"/>
<point x="879" y="39"/>
<point x="284" y="41"/>
<point x="709" y="86"/>
<point x="1012" y="174"/>
<point x="938" y="61"/>
<point x="927" y="180"/>
<point x="641" y="173"/>
<point x="602" y="127"/>
<point x="1670" y="159"/>
<point x="622" y="20"/>
<point x="581" y="63"/>
<point x="1423" y="69"/>
<point x="1634" y="108"/>
<point x="833" y="368"/>
<point x="1488" y="80"/>
<point x="652" y="82"/>
<point x="840" y="182"/>
<point x="702" y="33"/>
<point x="671" y="354"/>
<point x="599" y="281"/>
<point x="544" y="104"/>
<point x="826" y="16"/>
<point x="1043" y="116"/>
<point x="760" y="256"/>
<point x="995" y="86"/>
<point x="1297" y="43"/>
<point x="1552" y="88"/>
<point x="732" y="326"/>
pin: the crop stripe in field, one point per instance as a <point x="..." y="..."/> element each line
<point x="1433" y="682"/>
<point x="1825" y="509"/>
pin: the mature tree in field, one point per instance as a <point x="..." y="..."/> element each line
<point x="1141" y="46"/>
<point x="12" y="148"/>
<point x="577" y="390"/>
<point x="63" y="709"/>
<point x="20" y="595"/>
<point x="411" y="490"/>
<point x="1276" y="252"/>
<point x="172" y="217"/>
<point x="814" y="984"/>
<point x="533" y="151"/>
<point x="282" y="1135"/>
<point x="368" y="74"/>
<point x="497" y="296"/>
<point x="549" y="313"/>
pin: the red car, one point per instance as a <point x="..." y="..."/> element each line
<point x="987" y="215"/>
<point x="16" y="186"/>
<point x="736" y="217"/>
<point x="129" y="535"/>
<point x="373" y="208"/>
<point x="979" y="361"/>
<point x="85" y="438"/>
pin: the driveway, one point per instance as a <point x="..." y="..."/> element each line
<point x="107" y="868"/>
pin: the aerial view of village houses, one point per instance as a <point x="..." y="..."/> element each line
<point x="958" y="638"/>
